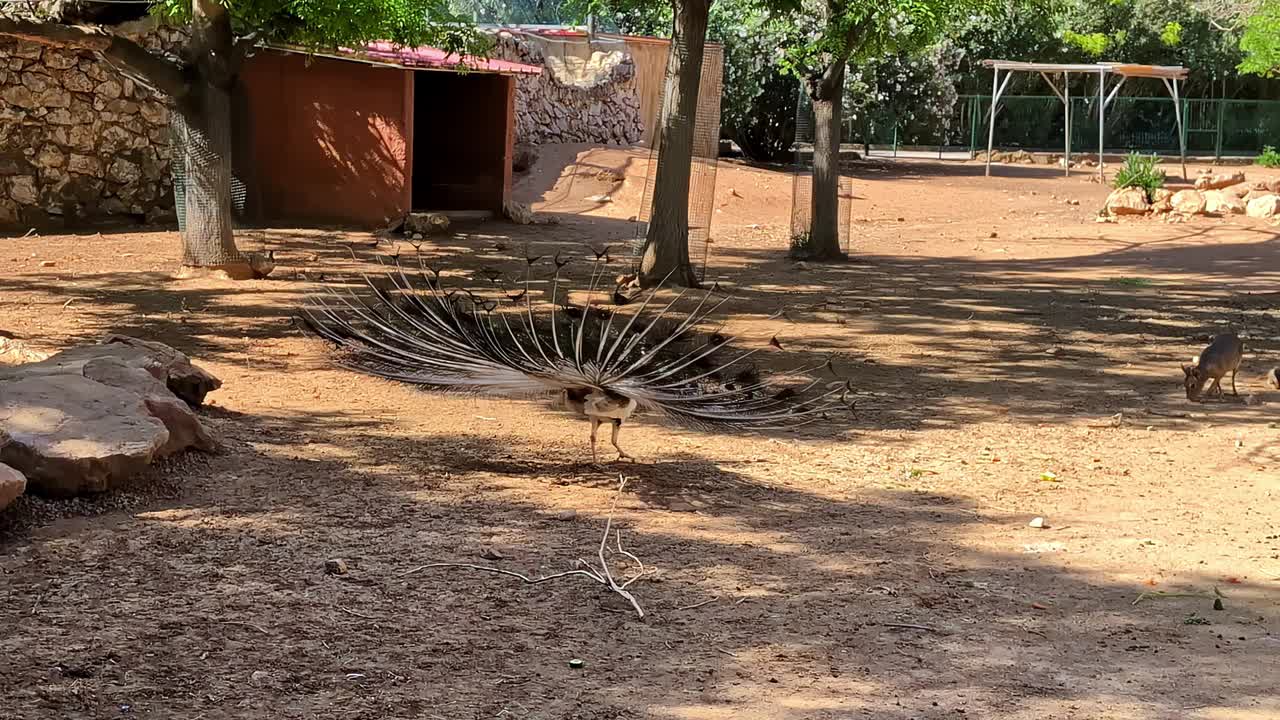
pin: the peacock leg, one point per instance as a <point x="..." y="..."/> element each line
<point x="622" y="455"/>
<point x="595" y="425"/>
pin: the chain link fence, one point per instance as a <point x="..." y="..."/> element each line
<point x="802" y="180"/>
<point x="1217" y="128"/>
<point x="702" y="170"/>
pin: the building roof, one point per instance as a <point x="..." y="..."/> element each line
<point x="419" y="58"/>
<point x="1125" y="69"/>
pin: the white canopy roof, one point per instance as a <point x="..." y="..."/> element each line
<point x="1168" y="74"/>
<point x="1125" y="69"/>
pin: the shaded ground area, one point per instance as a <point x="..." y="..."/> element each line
<point x="879" y="568"/>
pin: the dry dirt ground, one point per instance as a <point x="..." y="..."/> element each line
<point x="1013" y="359"/>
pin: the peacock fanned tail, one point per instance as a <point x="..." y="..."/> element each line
<point x="405" y="326"/>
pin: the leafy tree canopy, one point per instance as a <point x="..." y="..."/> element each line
<point x="336" y="23"/>
<point x="1261" y="41"/>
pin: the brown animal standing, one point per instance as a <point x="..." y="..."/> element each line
<point x="1221" y="357"/>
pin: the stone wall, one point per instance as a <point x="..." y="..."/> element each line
<point x="80" y="143"/>
<point x="574" y="100"/>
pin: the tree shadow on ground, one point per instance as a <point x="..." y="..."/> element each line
<point x="763" y="598"/>
<point x="1042" y="339"/>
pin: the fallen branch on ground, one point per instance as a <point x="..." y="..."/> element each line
<point x="602" y="575"/>
<point x="1161" y="413"/>
<point x="908" y="626"/>
<point x="1216" y="595"/>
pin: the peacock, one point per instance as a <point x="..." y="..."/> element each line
<point x="605" y="362"/>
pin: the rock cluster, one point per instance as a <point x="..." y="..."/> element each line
<point x="1217" y="195"/>
<point x="89" y="417"/>
<point x="573" y="100"/>
<point x="79" y="141"/>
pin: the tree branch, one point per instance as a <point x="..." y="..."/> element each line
<point x="161" y="74"/>
<point x="822" y="86"/>
<point x="241" y="49"/>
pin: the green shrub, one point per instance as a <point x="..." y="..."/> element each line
<point x="801" y="247"/>
<point x="1141" y="171"/>
<point x="1269" y="157"/>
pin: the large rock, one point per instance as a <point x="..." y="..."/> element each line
<point x="12" y="484"/>
<point x="1188" y="202"/>
<point x="426" y="223"/>
<point x="1162" y="200"/>
<point x="1127" y="201"/>
<point x="1218" y="202"/>
<point x="1264" y="207"/>
<point x="16" y="352"/>
<point x="92" y="416"/>
<point x="70" y="435"/>
<point x="1217" y="182"/>
<point x="167" y="365"/>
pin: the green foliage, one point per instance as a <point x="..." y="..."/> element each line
<point x="1261" y="41"/>
<point x="801" y="247"/>
<point x="1141" y="171"/>
<point x="758" y="103"/>
<point x="1157" y="32"/>
<point x="320" y="24"/>
<point x="1091" y="44"/>
<point x="514" y="12"/>
<point x="1269" y="157"/>
<point x="913" y="93"/>
<point x="847" y="29"/>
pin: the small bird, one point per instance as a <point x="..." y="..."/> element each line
<point x="605" y="363"/>
<point x="261" y="264"/>
<point x="619" y="297"/>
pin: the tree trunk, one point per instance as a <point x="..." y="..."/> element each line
<point x="824" y="228"/>
<point x="201" y="124"/>
<point x="666" y="247"/>
<point x="199" y="90"/>
<point x="202" y="129"/>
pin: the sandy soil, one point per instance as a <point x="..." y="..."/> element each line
<point x="882" y="567"/>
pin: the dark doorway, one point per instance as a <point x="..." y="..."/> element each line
<point x="459" y="140"/>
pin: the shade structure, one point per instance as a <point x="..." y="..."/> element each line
<point x="1170" y="75"/>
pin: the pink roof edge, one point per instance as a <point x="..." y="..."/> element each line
<point x="429" y="57"/>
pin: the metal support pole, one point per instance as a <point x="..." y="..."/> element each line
<point x="1102" y="121"/>
<point x="973" y="125"/>
<point x="991" y="128"/>
<point x="1182" y="138"/>
<point x="1066" y="114"/>
<point x="1217" y="135"/>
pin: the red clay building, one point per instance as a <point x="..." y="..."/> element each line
<point x="360" y="138"/>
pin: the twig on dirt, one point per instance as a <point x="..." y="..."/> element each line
<point x="602" y="575"/>
<point x="695" y="606"/>
<point x="251" y="626"/>
<point x="1161" y="413"/>
<point x="1161" y="594"/>
<point x="909" y="626"/>
<point x="726" y="652"/>
<point x="362" y="616"/>
<point x="1035" y="632"/>
<point x="1114" y="421"/>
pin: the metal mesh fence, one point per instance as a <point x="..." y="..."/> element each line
<point x="1213" y="127"/>
<point x="702" y="170"/>
<point x="180" y="154"/>
<point x="802" y="181"/>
